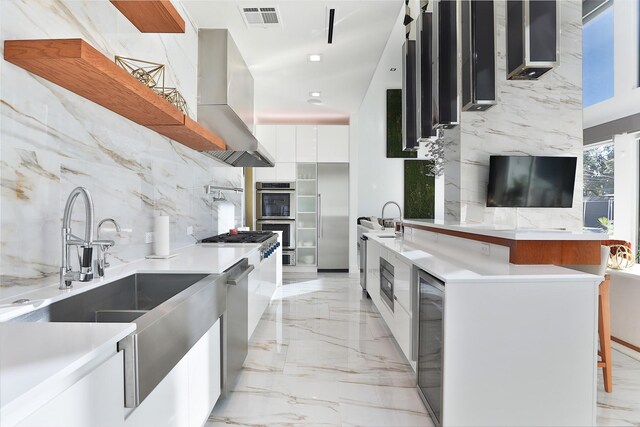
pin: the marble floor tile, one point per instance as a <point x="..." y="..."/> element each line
<point x="322" y="356"/>
<point x="621" y="407"/>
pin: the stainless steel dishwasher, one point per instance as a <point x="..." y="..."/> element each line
<point x="362" y="244"/>
<point x="235" y="340"/>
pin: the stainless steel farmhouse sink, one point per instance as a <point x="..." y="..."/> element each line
<point x="171" y="312"/>
<point x="123" y="300"/>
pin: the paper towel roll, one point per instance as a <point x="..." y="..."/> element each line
<point x="161" y="235"/>
<point x="226" y="217"/>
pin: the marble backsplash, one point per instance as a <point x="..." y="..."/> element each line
<point x="53" y="140"/>
<point x="541" y="117"/>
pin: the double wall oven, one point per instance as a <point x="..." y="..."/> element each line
<point x="276" y="211"/>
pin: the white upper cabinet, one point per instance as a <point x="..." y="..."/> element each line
<point x="333" y="144"/>
<point x="286" y="171"/>
<point x="266" y="136"/>
<point x="286" y="143"/>
<point x="265" y="174"/>
<point x="306" y="143"/>
<point x="289" y="144"/>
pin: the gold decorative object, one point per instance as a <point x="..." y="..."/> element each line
<point x="172" y="95"/>
<point x="151" y="74"/>
<point x="621" y="257"/>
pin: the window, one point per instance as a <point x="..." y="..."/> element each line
<point x="597" y="56"/>
<point x="598" y="185"/>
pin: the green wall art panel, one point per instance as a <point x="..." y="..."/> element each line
<point x="419" y="189"/>
<point x="394" y="126"/>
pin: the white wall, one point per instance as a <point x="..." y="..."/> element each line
<point x="379" y="179"/>
<point x="54" y="140"/>
<point x="626" y="185"/>
<point x="626" y="99"/>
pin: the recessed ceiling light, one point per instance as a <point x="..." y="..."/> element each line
<point x="315" y="57"/>
<point x="314" y="94"/>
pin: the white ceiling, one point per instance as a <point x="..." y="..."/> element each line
<point x="278" y="57"/>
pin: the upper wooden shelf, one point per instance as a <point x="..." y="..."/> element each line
<point x="78" y="67"/>
<point x="151" y="16"/>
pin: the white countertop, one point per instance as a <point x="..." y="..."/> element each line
<point x="511" y="233"/>
<point x="33" y="356"/>
<point x="36" y="356"/>
<point x="470" y="268"/>
<point x="207" y="258"/>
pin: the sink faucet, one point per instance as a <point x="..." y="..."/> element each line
<point x="85" y="274"/>
<point x="104" y="246"/>
<point x="391" y="202"/>
<point x="67" y="275"/>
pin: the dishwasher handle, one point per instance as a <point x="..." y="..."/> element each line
<point x="240" y="277"/>
<point x="238" y="271"/>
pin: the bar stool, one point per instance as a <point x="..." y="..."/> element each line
<point x="604" y="315"/>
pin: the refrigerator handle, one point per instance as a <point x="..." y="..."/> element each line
<point x="415" y="312"/>
<point x="320" y="230"/>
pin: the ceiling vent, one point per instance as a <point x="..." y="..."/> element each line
<point x="260" y="17"/>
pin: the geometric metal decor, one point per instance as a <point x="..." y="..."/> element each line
<point x="151" y="74"/>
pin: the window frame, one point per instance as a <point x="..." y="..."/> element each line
<point x="598" y="8"/>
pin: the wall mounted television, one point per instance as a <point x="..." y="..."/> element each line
<point x="531" y="181"/>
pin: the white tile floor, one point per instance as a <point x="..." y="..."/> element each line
<point x="622" y="406"/>
<point x="322" y="355"/>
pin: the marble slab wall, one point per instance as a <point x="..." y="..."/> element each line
<point x="541" y="117"/>
<point x="53" y="140"/>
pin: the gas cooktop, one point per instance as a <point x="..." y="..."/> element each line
<point x="241" y="237"/>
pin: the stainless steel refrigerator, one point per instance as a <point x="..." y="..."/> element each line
<point x="333" y="216"/>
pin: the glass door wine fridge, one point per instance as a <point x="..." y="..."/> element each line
<point x="430" y="342"/>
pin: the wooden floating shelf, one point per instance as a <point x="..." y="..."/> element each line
<point x="77" y="66"/>
<point x="191" y="134"/>
<point x="531" y="252"/>
<point x="151" y="16"/>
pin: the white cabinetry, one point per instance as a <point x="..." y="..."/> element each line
<point x="280" y="141"/>
<point x="262" y="285"/>
<point x="402" y="330"/>
<point x="333" y="144"/>
<point x="402" y="305"/>
<point x="306" y="143"/>
<point x="204" y="375"/>
<point x="188" y="393"/>
<point x="96" y="400"/>
<point x="291" y="144"/>
<point x="267" y="137"/>
<point x="286" y="143"/>
<point x="398" y="320"/>
<point x="265" y="174"/>
<point x="281" y="172"/>
<point x="401" y="282"/>
<point x="373" y="271"/>
<point x="285" y="172"/>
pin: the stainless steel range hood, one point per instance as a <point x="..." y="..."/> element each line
<point x="225" y="100"/>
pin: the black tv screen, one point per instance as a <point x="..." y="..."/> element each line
<point x="531" y="181"/>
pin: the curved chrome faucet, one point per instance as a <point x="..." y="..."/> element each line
<point x="391" y="202"/>
<point x="104" y="245"/>
<point x="67" y="275"/>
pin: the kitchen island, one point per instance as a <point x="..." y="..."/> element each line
<point x="81" y="361"/>
<point x="536" y="324"/>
